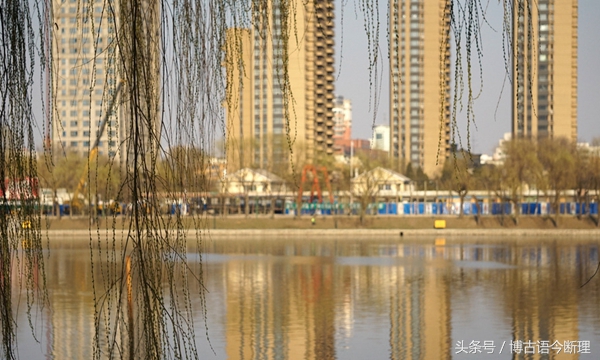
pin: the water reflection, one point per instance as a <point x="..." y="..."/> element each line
<point x="358" y="299"/>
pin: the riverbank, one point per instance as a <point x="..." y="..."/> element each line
<point x="235" y="226"/>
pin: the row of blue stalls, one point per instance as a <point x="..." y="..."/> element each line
<point x="439" y="208"/>
<point x="404" y="208"/>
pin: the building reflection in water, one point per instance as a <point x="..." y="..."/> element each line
<point x="279" y="309"/>
<point x="326" y="299"/>
<point x="286" y="300"/>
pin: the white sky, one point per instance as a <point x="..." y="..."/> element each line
<point x="492" y="109"/>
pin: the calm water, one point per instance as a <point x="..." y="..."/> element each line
<point x="360" y="299"/>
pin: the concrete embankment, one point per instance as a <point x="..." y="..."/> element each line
<point x="346" y="233"/>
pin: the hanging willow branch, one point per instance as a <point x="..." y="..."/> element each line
<point x="21" y="260"/>
<point x="169" y="58"/>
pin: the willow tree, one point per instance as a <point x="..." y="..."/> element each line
<point x="169" y="56"/>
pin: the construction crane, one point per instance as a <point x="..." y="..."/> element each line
<point x="315" y="184"/>
<point x="94" y="149"/>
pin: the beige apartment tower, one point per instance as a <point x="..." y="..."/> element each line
<point x="268" y="106"/>
<point x="544" y="68"/>
<point x="88" y="76"/>
<point x="84" y="76"/>
<point x="419" y="83"/>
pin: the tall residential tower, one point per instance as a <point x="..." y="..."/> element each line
<point x="280" y="91"/>
<point x="419" y="83"/>
<point x="84" y="76"/>
<point x="94" y="67"/>
<point x="544" y="48"/>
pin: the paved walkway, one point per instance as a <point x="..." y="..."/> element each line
<point x="236" y="234"/>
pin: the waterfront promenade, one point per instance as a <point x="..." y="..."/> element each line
<point x="387" y="226"/>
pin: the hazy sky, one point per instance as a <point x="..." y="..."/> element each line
<point x="492" y="108"/>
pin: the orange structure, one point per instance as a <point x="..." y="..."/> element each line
<point x="315" y="184"/>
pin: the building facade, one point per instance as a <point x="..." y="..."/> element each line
<point x="280" y="92"/>
<point x="92" y="71"/>
<point x="419" y="83"/>
<point x="544" y="69"/>
<point x="84" y="77"/>
<point x="381" y="138"/>
<point x="342" y="123"/>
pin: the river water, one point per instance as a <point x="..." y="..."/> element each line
<point x="312" y="298"/>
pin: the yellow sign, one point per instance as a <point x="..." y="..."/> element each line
<point x="439" y="224"/>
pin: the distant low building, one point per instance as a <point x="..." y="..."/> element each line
<point x="382" y="182"/>
<point x="590" y="148"/>
<point x="254" y="182"/>
<point x="498" y="157"/>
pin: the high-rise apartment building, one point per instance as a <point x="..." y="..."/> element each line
<point x="544" y="69"/>
<point x="84" y="76"/>
<point x="419" y="83"/>
<point x="93" y="71"/>
<point x="280" y="91"/>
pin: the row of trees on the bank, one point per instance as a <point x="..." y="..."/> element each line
<point x="550" y="166"/>
<point x="88" y="180"/>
